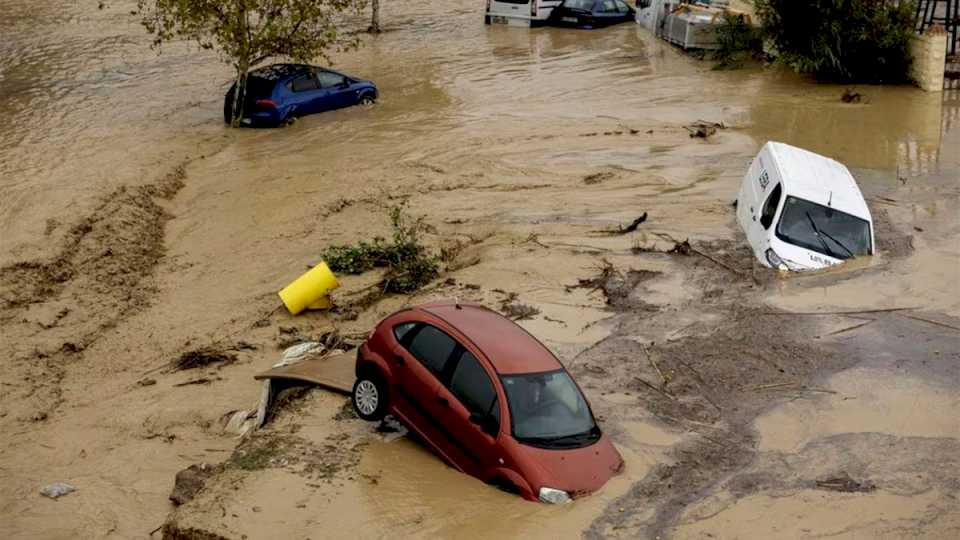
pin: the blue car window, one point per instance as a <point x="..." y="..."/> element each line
<point x="328" y="79"/>
<point x="304" y="83"/>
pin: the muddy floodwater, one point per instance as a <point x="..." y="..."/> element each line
<point x="136" y="227"/>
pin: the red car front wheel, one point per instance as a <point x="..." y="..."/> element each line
<point x="370" y="397"/>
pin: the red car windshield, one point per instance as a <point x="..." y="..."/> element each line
<point x="548" y="410"/>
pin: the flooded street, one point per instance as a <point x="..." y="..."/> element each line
<point x="136" y="226"/>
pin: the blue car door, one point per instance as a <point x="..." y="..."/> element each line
<point x="306" y="95"/>
<point x="340" y="91"/>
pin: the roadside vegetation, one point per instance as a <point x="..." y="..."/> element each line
<point x="863" y="41"/>
<point x="738" y="41"/>
<point x="248" y="32"/>
<point x="409" y="264"/>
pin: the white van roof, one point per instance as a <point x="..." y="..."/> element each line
<point x="817" y="179"/>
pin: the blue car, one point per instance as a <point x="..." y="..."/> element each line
<point x="591" y="13"/>
<point x="279" y="93"/>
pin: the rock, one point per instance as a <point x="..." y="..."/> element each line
<point x="391" y="429"/>
<point x="704" y="130"/>
<point x="849" y="96"/>
<point x="190" y="481"/>
<point x="57" y="489"/>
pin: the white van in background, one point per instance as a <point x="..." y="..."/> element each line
<point x="527" y="13"/>
<point x="802" y="211"/>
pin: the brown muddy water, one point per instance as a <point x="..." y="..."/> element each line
<point x="136" y="227"/>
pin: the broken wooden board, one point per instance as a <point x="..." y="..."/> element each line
<point x="335" y="372"/>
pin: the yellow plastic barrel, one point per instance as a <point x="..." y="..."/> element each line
<point x="310" y="290"/>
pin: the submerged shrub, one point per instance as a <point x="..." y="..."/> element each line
<point x="841" y="40"/>
<point x="409" y="264"/>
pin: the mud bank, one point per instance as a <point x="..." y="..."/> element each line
<point x="100" y="274"/>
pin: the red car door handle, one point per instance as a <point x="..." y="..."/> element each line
<point x="443" y="401"/>
<point x="400" y="360"/>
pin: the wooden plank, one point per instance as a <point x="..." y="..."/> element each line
<point x="331" y="372"/>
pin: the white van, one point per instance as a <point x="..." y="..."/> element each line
<point x="526" y="13"/>
<point x="651" y="13"/>
<point x="802" y="211"/>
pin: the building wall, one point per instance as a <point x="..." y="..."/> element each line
<point x="929" y="52"/>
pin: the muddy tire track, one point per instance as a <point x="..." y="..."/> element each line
<point x="53" y="310"/>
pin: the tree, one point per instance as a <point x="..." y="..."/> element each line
<point x="248" y="32"/>
<point x="841" y="40"/>
<point x="374" y="17"/>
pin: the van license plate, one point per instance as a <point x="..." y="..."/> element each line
<point x="569" y="19"/>
<point x="496" y="19"/>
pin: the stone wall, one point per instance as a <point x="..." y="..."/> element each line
<point x="929" y="52"/>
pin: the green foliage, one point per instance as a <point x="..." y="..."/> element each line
<point x="841" y="40"/>
<point x="357" y="259"/>
<point x="409" y="264"/>
<point x="737" y="39"/>
<point x="248" y="32"/>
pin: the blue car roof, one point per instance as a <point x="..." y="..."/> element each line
<point x="279" y="71"/>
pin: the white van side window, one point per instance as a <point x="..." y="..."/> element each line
<point x="770" y="207"/>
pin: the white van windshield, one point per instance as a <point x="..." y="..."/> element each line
<point x="823" y="229"/>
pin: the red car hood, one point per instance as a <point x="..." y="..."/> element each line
<point x="578" y="471"/>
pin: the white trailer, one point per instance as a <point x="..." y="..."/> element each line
<point x="691" y="25"/>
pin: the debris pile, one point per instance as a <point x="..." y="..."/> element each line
<point x="190" y="481"/>
<point x="842" y="482"/>
<point x="617" y="287"/>
<point x="515" y="310"/>
<point x="704" y="130"/>
<point x="203" y="357"/>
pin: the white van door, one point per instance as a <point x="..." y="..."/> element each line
<point x="647" y="13"/>
<point x="513" y="12"/>
<point x="760" y="196"/>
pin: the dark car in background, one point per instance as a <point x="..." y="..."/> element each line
<point x="591" y="13"/>
<point x="279" y="93"/>
<point x="487" y="397"/>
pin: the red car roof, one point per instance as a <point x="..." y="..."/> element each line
<point x="509" y="347"/>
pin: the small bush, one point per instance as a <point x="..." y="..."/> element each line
<point x="357" y="259"/>
<point x="737" y="39"/>
<point x="409" y="264"/>
<point x="841" y="40"/>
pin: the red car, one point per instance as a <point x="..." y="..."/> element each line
<point x="488" y="397"/>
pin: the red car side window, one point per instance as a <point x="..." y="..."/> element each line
<point x="401" y="330"/>
<point x="432" y="347"/>
<point x="472" y="386"/>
